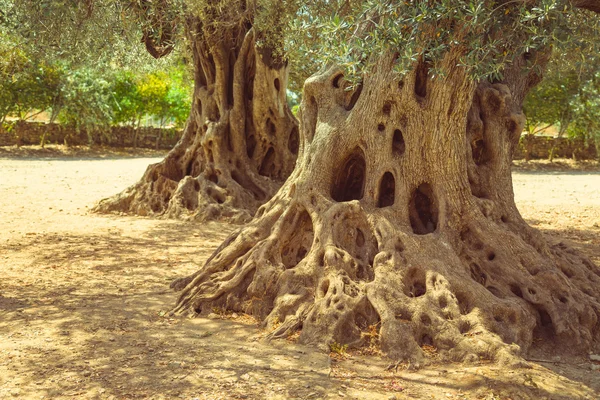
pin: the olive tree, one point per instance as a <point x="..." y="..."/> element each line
<point x="400" y="214"/>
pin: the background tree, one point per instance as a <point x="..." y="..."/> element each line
<point x="400" y="214"/>
<point x="586" y="108"/>
<point x="241" y="138"/>
<point x="560" y="99"/>
<point x="85" y="100"/>
<point x="27" y="85"/>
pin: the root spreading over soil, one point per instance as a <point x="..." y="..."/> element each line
<point x="400" y="215"/>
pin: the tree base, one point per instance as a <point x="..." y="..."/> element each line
<point x="239" y="145"/>
<point x="162" y="191"/>
<point x="352" y="271"/>
<point x="418" y="239"/>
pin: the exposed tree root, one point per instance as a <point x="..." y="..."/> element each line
<point x="400" y="215"/>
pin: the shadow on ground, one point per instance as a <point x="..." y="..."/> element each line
<point x="85" y="316"/>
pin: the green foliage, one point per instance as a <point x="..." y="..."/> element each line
<point x="165" y="95"/>
<point x="26" y="84"/>
<point x="480" y="36"/>
<point x="550" y="103"/>
<point x="86" y="96"/>
<point x="126" y="101"/>
<point x="569" y="95"/>
<point x="586" y="109"/>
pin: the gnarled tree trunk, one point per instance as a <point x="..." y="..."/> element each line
<point x="240" y="142"/>
<point x="400" y="215"/>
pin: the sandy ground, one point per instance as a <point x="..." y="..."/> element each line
<point x="83" y="302"/>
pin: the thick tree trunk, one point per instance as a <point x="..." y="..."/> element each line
<point x="400" y="216"/>
<point x="240" y="142"/>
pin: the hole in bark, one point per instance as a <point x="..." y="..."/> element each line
<point x="361" y="322"/>
<point x="300" y="254"/>
<point x="479" y="150"/>
<point x="498" y="318"/>
<point x="295" y="248"/>
<point x="360" y="238"/>
<point x="399" y="247"/>
<point x="250" y="89"/>
<point x="381" y="127"/>
<point x="423" y="211"/>
<point x="495" y="291"/>
<point x="425" y="320"/>
<point x="443" y="302"/>
<point x="196" y="186"/>
<point x="516" y="290"/>
<point x="477" y="274"/>
<point x="563" y="299"/>
<point x="387" y="108"/>
<point x="365" y="272"/>
<point x="544" y="327"/>
<point x="190" y="169"/>
<point x="414" y="283"/>
<point x="271" y="128"/>
<point x="387" y="190"/>
<point x="350" y="182"/>
<point x="212" y="177"/>
<point x="293" y="140"/>
<point x="464" y="304"/>
<point x="354" y="98"/>
<point x="400" y="85"/>
<point x="267" y="167"/>
<point x="464" y="327"/>
<point x="324" y="287"/>
<point x="218" y="197"/>
<point x="227" y="137"/>
<point x="426" y="340"/>
<point x="398" y="146"/>
<point x="504" y="219"/>
<point x="491" y="256"/>
<point x="277" y="84"/>
<point x="250" y="145"/>
<point x="418" y="289"/>
<point x="512" y="127"/>
<point x="421" y="77"/>
<point x="336" y="80"/>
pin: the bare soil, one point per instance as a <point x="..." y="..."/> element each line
<point x="84" y="300"/>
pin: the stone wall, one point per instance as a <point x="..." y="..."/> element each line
<point x="539" y="147"/>
<point x="30" y="133"/>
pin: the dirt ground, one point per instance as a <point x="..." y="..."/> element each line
<point x="83" y="300"/>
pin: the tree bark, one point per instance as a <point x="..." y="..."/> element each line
<point x="240" y="142"/>
<point x="400" y="217"/>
